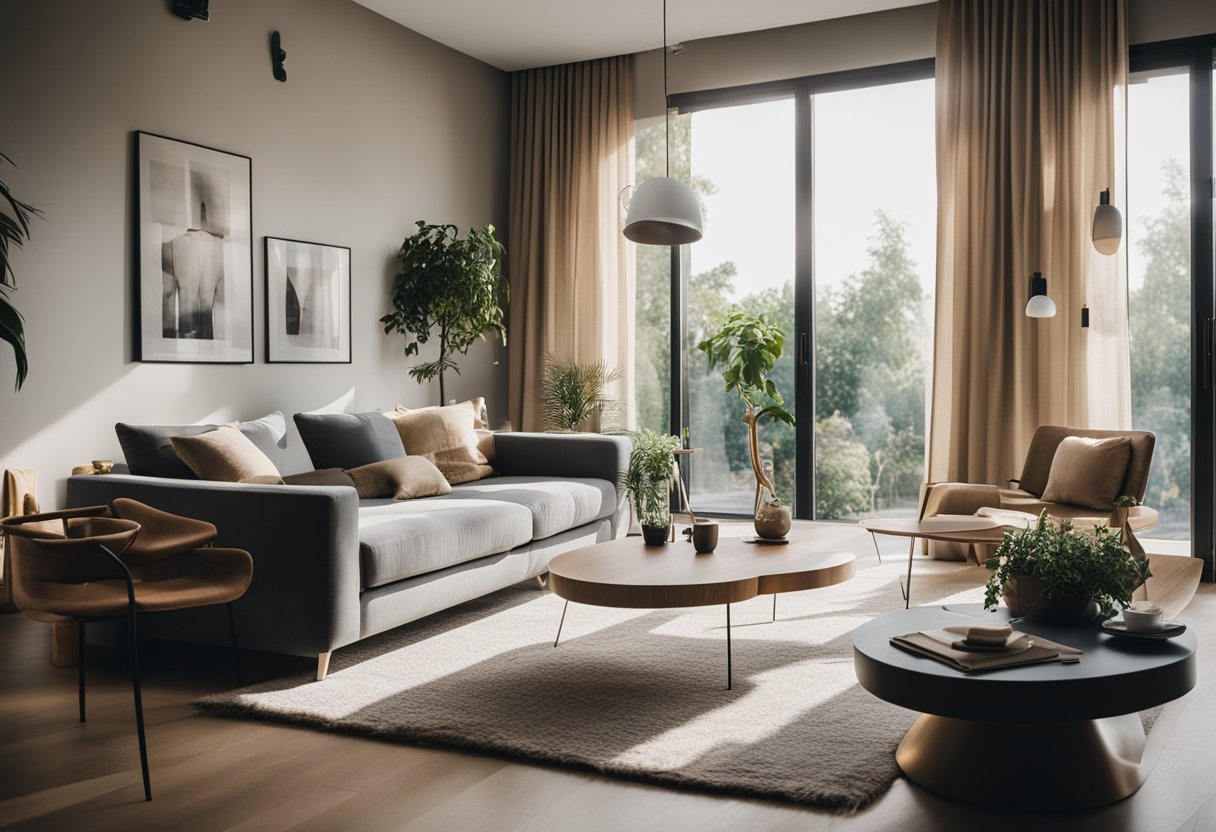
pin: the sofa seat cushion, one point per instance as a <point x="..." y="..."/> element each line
<point x="555" y="504"/>
<point x="398" y="540"/>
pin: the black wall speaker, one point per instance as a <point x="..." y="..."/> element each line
<point x="277" y="56"/>
<point x="191" y="9"/>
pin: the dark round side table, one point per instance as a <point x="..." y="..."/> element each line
<point x="1046" y="736"/>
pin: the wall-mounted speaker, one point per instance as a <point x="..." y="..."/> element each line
<point x="277" y="56"/>
<point x="191" y="9"/>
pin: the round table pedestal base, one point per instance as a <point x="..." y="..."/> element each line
<point x="1048" y="765"/>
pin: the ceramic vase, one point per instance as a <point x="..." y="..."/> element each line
<point x="772" y="520"/>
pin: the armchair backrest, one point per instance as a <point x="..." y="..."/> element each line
<point x="1048" y="437"/>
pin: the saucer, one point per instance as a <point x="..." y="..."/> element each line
<point x="1169" y="629"/>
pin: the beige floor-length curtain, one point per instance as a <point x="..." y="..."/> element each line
<point x="572" y="283"/>
<point x="1030" y="121"/>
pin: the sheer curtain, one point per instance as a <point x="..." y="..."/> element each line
<point x="572" y="283"/>
<point x="1030" y="115"/>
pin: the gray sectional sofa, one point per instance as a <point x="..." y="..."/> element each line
<point x="330" y="569"/>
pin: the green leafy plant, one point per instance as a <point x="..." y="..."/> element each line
<point x="447" y="286"/>
<point x="649" y="474"/>
<point x="748" y="346"/>
<point x="1075" y="566"/>
<point x="14" y="231"/>
<point x="1126" y="501"/>
<point x="574" y="392"/>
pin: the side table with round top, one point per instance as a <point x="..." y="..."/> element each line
<point x="1047" y="736"/>
<point x="628" y="574"/>
<point x="952" y="528"/>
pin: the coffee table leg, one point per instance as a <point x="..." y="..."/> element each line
<point x="729" y="673"/>
<point x="877" y="551"/>
<point x="774" y="607"/>
<point x="907" y="588"/>
<point x="560" y="623"/>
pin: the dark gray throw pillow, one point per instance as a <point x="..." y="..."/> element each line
<point x="149" y="453"/>
<point x="348" y="440"/>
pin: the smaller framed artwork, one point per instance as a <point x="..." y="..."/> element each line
<point x="308" y="316"/>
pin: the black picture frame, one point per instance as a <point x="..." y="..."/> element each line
<point x="293" y="336"/>
<point x="193" y="253"/>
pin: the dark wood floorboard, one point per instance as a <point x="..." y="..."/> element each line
<point x="213" y="774"/>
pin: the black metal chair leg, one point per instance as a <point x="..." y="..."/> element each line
<point x="80" y="659"/>
<point x="236" y="652"/>
<point x="139" y="707"/>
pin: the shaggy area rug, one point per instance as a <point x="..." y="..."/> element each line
<point x="638" y="694"/>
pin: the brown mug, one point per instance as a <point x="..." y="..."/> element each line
<point x="705" y="536"/>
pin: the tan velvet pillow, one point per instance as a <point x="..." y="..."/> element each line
<point x="447" y="437"/>
<point x="481" y="418"/>
<point x="1088" y="472"/>
<point x="225" y="455"/>
<point x="403" y="478"/>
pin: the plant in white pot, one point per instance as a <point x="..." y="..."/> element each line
<point x="1059" y="574"/>
<point x="748" y="346"/>
<point x="648" y="482"/>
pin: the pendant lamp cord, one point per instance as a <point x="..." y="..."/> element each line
<point x="666" y="100"/>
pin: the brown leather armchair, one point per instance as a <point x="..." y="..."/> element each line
<point x="105" y="562"/>
<point x="1026" y="493"/>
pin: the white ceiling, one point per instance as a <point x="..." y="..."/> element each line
<point x="517" y="34"/>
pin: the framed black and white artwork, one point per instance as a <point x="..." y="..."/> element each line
<point x="308" y="315"/>
<point x="194" y="282"/>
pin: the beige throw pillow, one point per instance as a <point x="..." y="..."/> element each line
<point x="481" y="418"/>
<point x="1088" y="472"/>
<point x="225" y="455"/>
<point x="403" y="478"/>
<point x="445" y="436"/>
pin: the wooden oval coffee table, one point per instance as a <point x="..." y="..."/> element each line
<point x="629" y="574"/>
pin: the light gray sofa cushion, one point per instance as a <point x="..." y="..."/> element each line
<point x="555" y="504"/>
<point x="398" y="540"/>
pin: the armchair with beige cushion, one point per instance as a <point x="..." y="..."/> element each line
<point x="1070" y="473"/>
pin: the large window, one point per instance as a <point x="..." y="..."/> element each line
<point x="1159" y="286"/>
<point x="874" y="249"/>
<point x="819" y="205"/>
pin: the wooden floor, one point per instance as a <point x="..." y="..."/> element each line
<point x="218" y="774"/>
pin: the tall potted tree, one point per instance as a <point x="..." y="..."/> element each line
<point x="15" y="218"/>
<point x="449" y="287"/>
<point x="748" y="346"/>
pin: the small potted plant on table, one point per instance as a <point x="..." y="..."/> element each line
<point x="1058" y="574"/>
<point x="648" y="482"/>
<point x="749" y="346"/>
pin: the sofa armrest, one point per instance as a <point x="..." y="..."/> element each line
<point x="563" y="455"/>
<point x="304" y="598"/>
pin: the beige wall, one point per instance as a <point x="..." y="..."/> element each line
<point x="377" y="127"/>
<point x="1153" y="20"/>
<point x="866" y="40"/>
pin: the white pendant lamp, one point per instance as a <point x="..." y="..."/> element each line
<point x="1039" y="305"/>
<point x="664" y="211"/>
<point x="1108" y="225"/>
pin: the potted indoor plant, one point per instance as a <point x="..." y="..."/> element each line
<point x="748" y="346"/>
<point x="1059" y="574"/>
<point x="15" y="218"/>
<point x="648" y="482"/>
<point x="573" y="393"/>
<point x="449" y="287"/>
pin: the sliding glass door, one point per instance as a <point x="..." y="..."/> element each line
<point x="819" y="209"/>
<point x="874" y="245"/>
<point x="1169" y="247"/>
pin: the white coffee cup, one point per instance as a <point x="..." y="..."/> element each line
<point x="1143" y="617"/>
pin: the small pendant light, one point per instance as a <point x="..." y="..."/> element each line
<point x="1039" y="305"/>
<point x="1108" y="225"/>
<point x="664" y="211"/>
